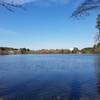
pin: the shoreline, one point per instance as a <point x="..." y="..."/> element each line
<point x="14" y="51"/>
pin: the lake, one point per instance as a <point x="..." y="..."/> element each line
<point x="50" y="77"/>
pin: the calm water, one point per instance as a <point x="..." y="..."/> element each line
<point x="50" y="77"/>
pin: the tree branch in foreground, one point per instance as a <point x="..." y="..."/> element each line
<point x="85" y="8"/>
<point x="10" y="5"/>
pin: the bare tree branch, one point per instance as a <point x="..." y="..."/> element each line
<point x="86" y="7"/>
<point x="10" y="5"/>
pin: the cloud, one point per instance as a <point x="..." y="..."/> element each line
<point x="8" y="32"/>
<point x="37" y="1"/>
<point x="19" y="1"/>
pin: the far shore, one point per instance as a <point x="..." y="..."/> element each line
<point x="14" y="51"/>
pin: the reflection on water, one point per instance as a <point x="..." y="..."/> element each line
<point x="97" y="68"/>
<point x="50" y="77"/>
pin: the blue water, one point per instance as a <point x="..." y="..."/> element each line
<point x="50" y="77"/>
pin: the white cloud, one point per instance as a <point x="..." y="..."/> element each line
<point x="36" y="1"/>
<point x="19" y="1"/>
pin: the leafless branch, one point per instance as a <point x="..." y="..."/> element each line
<point x="86" y="7"/>
<point x="10" y="6"/>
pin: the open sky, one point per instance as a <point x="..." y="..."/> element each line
<point x="46" y="24"/>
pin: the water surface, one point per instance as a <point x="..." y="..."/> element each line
<point x="50" y="77"/>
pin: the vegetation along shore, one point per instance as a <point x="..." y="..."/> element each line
<point x="89" y="50"/>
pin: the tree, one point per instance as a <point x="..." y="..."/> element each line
<point x="98" y="27"/>
<point x="98" y="45"/>
<point x="23" y="50"/>
<point x="10" y="5"/>
<point x="85" y="7"/>
<point x="75" y="50"/>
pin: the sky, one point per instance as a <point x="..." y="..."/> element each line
<point x="46" y="24"/>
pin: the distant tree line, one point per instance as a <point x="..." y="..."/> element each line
<point x="89" y="50"/>
<point x="7" y="50"/>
